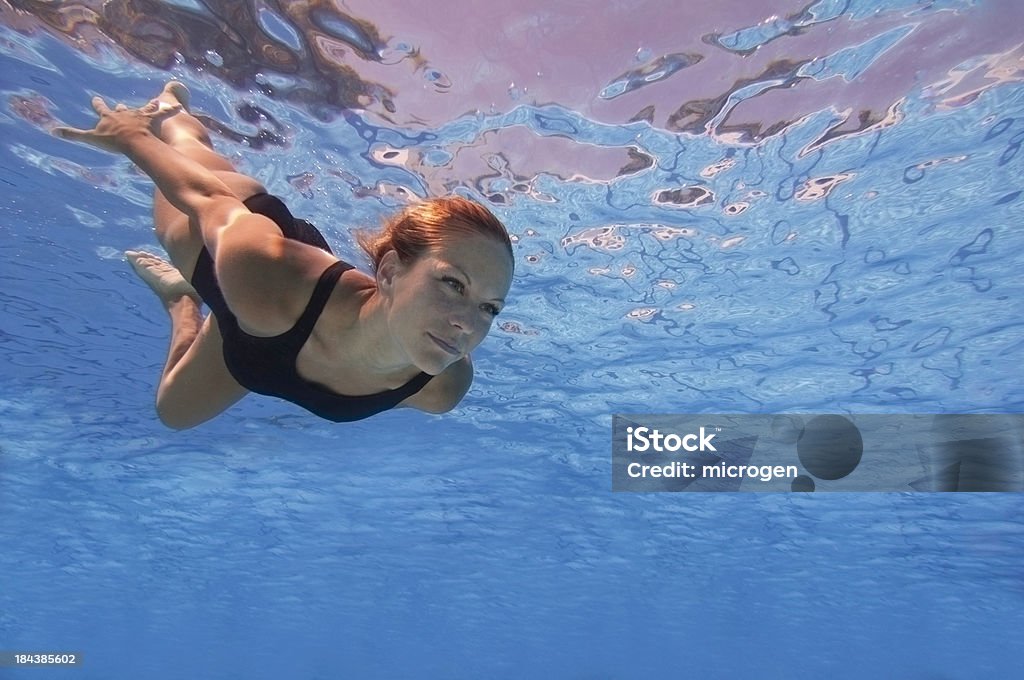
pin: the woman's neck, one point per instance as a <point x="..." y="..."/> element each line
<point x="357" y="336"/>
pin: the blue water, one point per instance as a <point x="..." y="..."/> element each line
<point x="752" y="273"/>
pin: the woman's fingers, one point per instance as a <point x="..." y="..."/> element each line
<point x="115" y="123"/>
<point x="70" y="133"/>
<point x="100" y="106"/>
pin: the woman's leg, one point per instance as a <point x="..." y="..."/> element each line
<point x="187" y="136"/>
<point x="195" y="384"/>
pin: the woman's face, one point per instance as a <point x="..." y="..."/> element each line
<point x="444" y="302"/>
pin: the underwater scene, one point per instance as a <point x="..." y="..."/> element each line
<point x="757" y="208"/>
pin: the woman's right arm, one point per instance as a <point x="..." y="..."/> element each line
<point x="186" y="184"/>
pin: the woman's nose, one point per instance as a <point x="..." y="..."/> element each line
<point x="457" y="317"/>
<point x="463" y="318"/>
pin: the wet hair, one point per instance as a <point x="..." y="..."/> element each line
<point x="429" y="224"/>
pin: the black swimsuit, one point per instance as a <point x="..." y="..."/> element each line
<point x="267" y="365"/>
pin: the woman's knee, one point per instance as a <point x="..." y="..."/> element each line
<point x="176" y="418"/>
<point x="177" y="410"/>
<point x="185" y="404"/>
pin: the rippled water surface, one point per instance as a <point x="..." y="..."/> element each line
<point x="716" y="207"/>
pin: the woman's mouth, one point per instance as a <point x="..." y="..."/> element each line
<point x="451" y="349"/>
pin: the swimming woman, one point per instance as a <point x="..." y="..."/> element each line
<point x="288" y="318"/>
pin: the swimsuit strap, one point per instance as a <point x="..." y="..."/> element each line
<point x="412" y="387"/>
<point x="300" y="332"/>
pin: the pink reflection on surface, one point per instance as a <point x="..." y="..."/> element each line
<point x="737" y="69"/>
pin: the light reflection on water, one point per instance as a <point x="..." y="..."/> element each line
<point x="820" y="213"/>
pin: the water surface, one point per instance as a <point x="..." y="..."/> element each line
<point x="717" y="207"/>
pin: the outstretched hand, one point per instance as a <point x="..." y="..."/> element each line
<point x="119" y="125"/>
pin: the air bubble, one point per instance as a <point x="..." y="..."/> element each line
<point x="642" y="314"/>
<point x="108" y="253"/>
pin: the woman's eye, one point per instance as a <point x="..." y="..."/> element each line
<point x="492" y="310"/>
<point x="454" y="283"/>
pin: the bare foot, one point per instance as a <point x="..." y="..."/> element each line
<point x="161" y="276"/>
<point x="175" y="92"/>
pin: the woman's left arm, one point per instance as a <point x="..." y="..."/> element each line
<point x="446" y="390"/>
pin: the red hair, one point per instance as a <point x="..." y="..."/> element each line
<point x="427" y="225"/>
